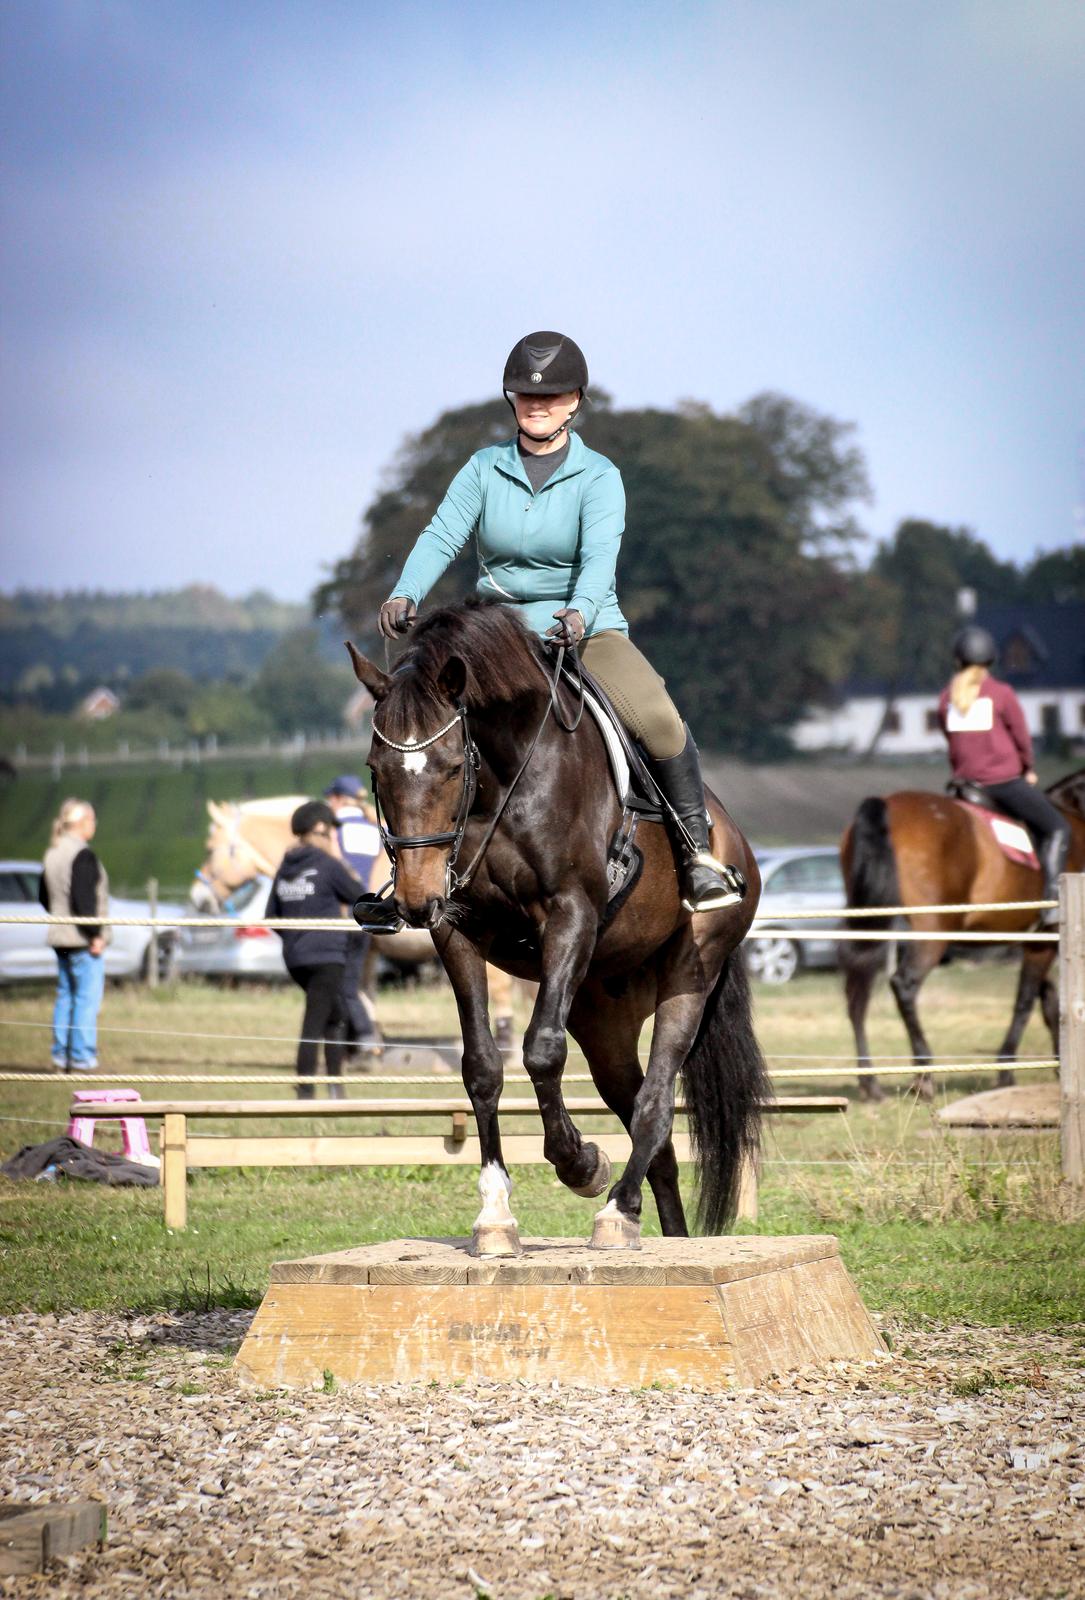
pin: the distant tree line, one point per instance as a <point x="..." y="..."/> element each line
<point x="741" y="570"/>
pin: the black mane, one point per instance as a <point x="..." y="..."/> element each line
<point x="502" y="658"/>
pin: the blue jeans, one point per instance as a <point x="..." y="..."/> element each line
<point x="80" y="983"/>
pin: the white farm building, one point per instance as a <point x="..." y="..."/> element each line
<point x="1041" y="653"/>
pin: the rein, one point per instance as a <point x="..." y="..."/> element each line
<point x="418" y="841"/>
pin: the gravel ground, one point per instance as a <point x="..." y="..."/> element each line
<point x="954" y="1470"/>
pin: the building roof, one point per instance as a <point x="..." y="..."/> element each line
<point x="1039" y="647"/>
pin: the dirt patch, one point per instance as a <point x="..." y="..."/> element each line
<point x="955" y="1470"/>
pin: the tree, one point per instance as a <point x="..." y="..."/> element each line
<point x="734" y="566"/>
<point x="910" y="601"/>
<point x="163" y="689"/>
<point x="1058" y="577"/>
<point x="298" y="689"/>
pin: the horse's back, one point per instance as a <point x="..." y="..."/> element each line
<point x="947" y="855"/>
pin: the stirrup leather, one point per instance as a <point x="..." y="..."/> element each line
<point x="732" y="880"/>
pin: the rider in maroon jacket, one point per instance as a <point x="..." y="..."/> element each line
<point x="989" y="745"/>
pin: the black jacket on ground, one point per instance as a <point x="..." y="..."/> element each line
<point x="311" y="883"/>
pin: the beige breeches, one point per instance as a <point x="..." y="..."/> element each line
<point x="639" y="694"/>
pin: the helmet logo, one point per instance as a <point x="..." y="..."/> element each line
<point x="536" y="377"/>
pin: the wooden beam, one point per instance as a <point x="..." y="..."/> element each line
<point x="385" y="1150"/>
<point x="1072" y="1024"/>
<point x="434" y="1106"/>
<point x="31" y="1536"/>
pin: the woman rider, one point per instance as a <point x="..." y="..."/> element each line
<point x="989" y="745"/>
<point x="549" y="514"/>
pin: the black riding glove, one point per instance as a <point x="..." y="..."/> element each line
<point x="396" y="616"/>
<point x="568" y="629"/>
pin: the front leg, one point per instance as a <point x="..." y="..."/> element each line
<point x="495" y="1232"/>
<point x="568" y="944"/>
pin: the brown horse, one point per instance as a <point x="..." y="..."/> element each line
<point x="478" y="757"/>
<point x="917" y="849"/>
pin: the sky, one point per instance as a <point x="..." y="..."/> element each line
<point x="248" y="249"/>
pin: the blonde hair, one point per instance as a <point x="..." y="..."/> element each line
<point x="964" y="688"/>
<point x="71" y="812"/>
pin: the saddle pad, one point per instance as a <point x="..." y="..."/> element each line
<point x="1012" y="838"/>
<point x="619" y="766"/>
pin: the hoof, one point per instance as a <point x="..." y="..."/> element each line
<point x="922" y="1087"/>
<point x="615" y="1231"/>
<point x="496" y="1239"/>
<point x="600" y="1179"/>
<point x="871" y="1091"/>
<point x="1005" y="1079"/>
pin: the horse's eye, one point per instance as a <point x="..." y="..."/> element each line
<point x="454" y="772"/>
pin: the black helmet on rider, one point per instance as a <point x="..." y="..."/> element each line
<point x="974" y="647"/>
<point x="545" y="363"/>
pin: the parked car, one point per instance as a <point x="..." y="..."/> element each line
<point x="241" y="951"/>
<point x="809" y="878"/>
<point x="248" y="951"/>
<point x="25" y="953"/>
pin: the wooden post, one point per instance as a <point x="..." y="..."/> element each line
<point x="175" y="1168"/>
<point x="747" y="1191"/>
<point x="152" y="948"/>
<point x="1072" y="1023"/>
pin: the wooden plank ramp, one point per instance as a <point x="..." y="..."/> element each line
<point x="710" y="1314"/>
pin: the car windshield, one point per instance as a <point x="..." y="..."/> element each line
<point x="813" y="874"/>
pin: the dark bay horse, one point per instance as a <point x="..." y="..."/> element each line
<point x="921" y="849"/>
<point x="471" y="700"/>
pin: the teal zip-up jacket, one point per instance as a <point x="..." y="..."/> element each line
<point x="543" y="551"/>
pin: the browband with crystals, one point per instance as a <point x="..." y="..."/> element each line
<point x="417" y="744"/>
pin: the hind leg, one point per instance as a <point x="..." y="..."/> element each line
<point x="913" y="966"/>
<point x="684" y="983"/>
<point x="1030" y="983"/>
<point x="607" y="1027"/>
<point x="858" y="984"/>
<point x="1049" y="1001"/>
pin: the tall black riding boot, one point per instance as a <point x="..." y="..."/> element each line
<point x="706" y="884"/>
<point x="1053" y="853"/>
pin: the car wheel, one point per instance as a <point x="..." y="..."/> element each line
<point x="773" y="960"/>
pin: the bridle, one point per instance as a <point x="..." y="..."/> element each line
<point x="421" y="841"/>
<point x="394" y="842"/>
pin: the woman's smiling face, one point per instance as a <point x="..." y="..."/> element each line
<point x="538" y="415"/>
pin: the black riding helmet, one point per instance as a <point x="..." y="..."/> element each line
<point x="545" y="363"/>
<point x="974" y="647"/>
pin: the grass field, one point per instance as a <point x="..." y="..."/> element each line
<point x="967" y="1228"/>
<point x="152" y="818"/>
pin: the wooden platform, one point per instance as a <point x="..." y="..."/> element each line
<point x="713" y="1314"/>
<point x="1025" y="1105"/>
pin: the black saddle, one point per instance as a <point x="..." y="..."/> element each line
<point x="975" y="794"/>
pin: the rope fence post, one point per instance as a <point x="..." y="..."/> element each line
<point x="1072" y="1024"/>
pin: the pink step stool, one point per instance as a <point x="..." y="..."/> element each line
<point x="133" y="1129"/>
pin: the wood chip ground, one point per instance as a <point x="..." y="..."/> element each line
<point x="955" y="1471"/>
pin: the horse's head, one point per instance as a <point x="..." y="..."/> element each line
<point x="424" y="764"/>
<point x="423" y="781"/>
<point x="231" y="861"/>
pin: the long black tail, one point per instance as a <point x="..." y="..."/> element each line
<point x="726" y="1084"/>
<point x="872" y="881"/>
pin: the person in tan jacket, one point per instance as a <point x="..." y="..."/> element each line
<point x="74" y="883"/>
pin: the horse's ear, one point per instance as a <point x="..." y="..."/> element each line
<point x="216" y="813"/>
<point x="376" y="681"/>
<point x="452" y="678"/>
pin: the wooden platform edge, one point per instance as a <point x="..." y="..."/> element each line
<point x="709" y="1336"/>
<point x="33" y="1535"/>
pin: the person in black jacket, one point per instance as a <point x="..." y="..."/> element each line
<point x="313" y="882"/>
